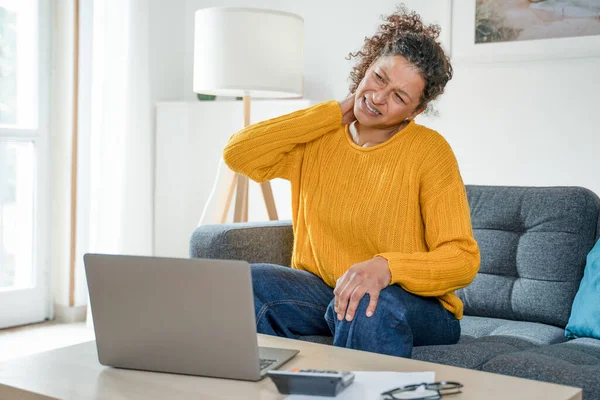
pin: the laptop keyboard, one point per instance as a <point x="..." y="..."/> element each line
<point x="265" y="363"/>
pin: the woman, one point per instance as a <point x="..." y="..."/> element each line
<point x="382" y="231"/>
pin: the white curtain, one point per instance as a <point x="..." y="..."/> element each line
<point x="115" y="197"/>
<point x="120" y="138"/>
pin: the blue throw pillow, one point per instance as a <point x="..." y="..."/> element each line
<point x="585" y="314"/>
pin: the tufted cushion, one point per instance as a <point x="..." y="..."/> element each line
<point x="483" y="338"/>
<point x="533" y="243"/>
<point x="574" y="363"/>
<point x="533" y="332"/>
<point x="469" y="352"/>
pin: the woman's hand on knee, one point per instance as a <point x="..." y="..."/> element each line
<point x="370" y="277"/>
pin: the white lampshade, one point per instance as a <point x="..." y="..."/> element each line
<point x="248" y="52"/>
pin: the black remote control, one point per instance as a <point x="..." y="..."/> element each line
<point x="314" y="382"/>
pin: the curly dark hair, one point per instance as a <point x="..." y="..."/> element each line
<point x="403" y="33"/>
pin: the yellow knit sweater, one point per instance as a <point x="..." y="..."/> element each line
<point x="403" y="199"/>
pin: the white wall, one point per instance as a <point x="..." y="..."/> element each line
<point x="525" y="123"/>
<point x="166" y="53"/>
<point x="165" y="56"/>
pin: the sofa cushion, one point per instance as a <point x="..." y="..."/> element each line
<point x="574" y="363"/>
<point x="471" y="352"/>
<point x="483" y="338"/>
<point x="533" y="243"/>
<point x="535" y="333"/>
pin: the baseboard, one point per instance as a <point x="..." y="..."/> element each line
<point x="66" y="314"/>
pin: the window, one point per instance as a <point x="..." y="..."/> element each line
<point x="17" y="161"/>
<point x="18" y="67"/>
<point x="24" y="72"/>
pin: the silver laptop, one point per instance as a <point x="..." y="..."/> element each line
<point x="184" y="316"/>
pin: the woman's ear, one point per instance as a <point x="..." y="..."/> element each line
<point x="418" y="111"/>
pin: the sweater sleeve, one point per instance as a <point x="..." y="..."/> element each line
<point x="274" y="148"/>
<point x="453" y="258"/>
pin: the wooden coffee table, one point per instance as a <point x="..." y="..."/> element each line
<point x="74" y="373"/>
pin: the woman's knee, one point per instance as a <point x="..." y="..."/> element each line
<point x="385" y="332"/>
<point x="387" y="309"/>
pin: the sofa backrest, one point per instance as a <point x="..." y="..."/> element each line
<point x="533" y="243"/>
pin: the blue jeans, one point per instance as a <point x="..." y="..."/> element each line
<point x="293" y="303"/>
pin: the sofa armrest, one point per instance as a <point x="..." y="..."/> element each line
<point x="255" y="242"/>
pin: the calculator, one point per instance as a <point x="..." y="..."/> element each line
<point x="313" y="382"/>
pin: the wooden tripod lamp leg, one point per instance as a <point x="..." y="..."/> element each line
<point x="240" y="213"/>
<point x="269" y="200"/>
<point x="231" y="188"/>
<point x="246" y="196"/>
<point x="240" y="184"/>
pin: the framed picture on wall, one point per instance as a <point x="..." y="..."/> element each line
<point x="515" y="30"/>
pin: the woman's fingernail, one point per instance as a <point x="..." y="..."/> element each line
<point x="369" y="313"/>
<point x="339" y="317"/>
<point x="348" y="318"/>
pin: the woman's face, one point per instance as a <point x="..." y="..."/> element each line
<point x="389" y="93"/>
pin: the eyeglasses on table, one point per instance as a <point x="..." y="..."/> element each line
<point x="422" y="391"/>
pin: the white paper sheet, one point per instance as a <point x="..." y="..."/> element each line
<point x="369" y="385"/>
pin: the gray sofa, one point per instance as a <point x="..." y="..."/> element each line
<point x="533" y="241"/>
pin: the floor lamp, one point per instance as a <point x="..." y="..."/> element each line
<point x="249" y="53"/>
